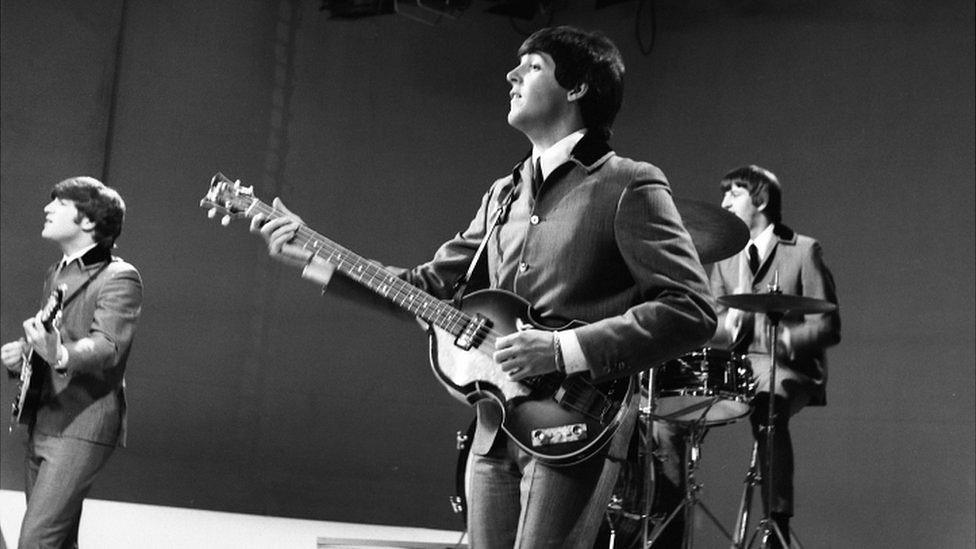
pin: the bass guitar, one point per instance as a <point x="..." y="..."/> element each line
<point x="29" y="389"/>
<point x="559" y="419"/>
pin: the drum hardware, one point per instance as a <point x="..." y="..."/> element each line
<point x="692" y="499"/>
<point x="709" y="387"/>
<point x="775" y="305"/>
<point x="752" y="480"/>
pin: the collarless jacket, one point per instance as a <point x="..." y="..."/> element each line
<point x="97" y="327"/>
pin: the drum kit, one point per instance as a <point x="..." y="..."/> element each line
<point x="707" y="388"/>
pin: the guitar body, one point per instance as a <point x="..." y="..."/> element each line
<point x="560" y="420"/>
<point x="29" y="390"/>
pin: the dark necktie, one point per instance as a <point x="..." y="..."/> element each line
<point x="753" y="258"/>
<point x="536" y="176"/>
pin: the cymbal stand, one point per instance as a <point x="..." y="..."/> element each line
<point x="767" y="527"/>
<point x="752" y="480"/>
<point x="745" y="504"/>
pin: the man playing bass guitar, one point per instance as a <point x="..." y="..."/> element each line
<point x="581" y="234"/>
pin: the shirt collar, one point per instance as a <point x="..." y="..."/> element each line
<point x="67" y="259"/>
<point x="763" y="241"/>
<point x="559" y="153"/>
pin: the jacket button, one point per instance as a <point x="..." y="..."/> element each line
<point x="534" y="220"/>
<point x="523" y="266"/>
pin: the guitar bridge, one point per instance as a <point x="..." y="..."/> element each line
<point x="474" y="332"/>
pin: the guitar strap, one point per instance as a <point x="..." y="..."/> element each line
<point x="77" y="292"/>
<point x="501" y="213"/>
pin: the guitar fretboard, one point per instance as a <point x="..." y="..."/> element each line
<point x="374" y="277"/>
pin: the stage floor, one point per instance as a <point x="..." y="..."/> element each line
<point x="117" y="525"/>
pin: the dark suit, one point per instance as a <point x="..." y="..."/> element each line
<point x="602" y="243"/>
<point x="81" y="415"/>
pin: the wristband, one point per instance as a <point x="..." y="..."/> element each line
<point x="557" y="351"/>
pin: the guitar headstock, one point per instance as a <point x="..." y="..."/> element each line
<point x="228" y="198"/>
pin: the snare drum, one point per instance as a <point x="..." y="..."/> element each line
<point x="710" y="385"/>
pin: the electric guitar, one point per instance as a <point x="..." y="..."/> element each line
<point x="559" y="419"/>
<point x="29" y="389"/>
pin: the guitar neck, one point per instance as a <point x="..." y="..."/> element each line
<point x="374" y="277"/>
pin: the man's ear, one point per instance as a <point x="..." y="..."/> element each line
<point x="578" y="92"/>
<point x="87" y="224"/>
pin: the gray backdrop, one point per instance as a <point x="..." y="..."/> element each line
<point x="250" y="393"/>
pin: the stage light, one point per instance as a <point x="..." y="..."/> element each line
<point x="427" y="11"/>
<point x="520" y="9"/>
<point x="600" y="4"/>
<point x="354" y="9"/>
<point x="431" y="11"/>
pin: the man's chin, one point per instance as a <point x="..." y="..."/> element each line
<point x="515" y="120"/>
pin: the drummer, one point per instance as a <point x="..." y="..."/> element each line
<point x="774" y="253"/>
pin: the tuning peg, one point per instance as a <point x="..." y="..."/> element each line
<point x="225" y="220"/>
<point x="211" y="213"/>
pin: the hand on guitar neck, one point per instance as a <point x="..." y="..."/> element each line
<point x="279" y="230"/>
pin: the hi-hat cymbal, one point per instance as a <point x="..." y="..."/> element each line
<point x="777" y="303"/>
<point x="716" y="233"/>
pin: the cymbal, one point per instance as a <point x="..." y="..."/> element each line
<point x="716" y="232"/>
<point x="777" y="303"/>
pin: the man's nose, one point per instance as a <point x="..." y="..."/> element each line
<point x="513" y="75"/>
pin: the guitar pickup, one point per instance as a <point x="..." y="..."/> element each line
<point x="558" y="435"/>
<point x="474" y="332"/>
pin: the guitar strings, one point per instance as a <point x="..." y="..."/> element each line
<point x="358" y="267"/>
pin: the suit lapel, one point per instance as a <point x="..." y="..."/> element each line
<point x="785" y="236"/>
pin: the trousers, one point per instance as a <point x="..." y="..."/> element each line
<point x="59" y="473"/>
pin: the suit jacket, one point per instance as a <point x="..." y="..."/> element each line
<point x="602" y="243"/>
<point x="798" y="260"/>
<point x="97" y="328"/>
